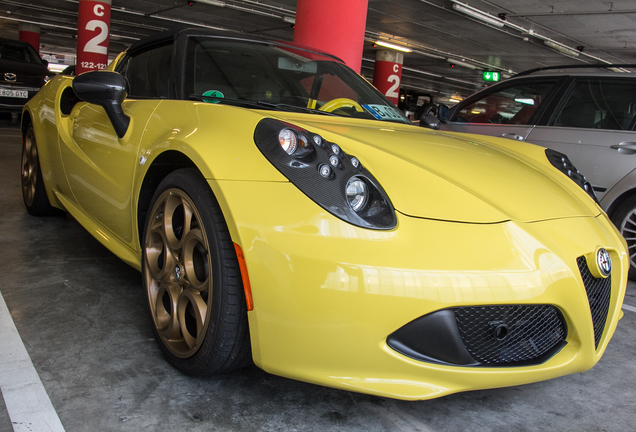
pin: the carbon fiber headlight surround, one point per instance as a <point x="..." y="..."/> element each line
<point x="323" y="172"/>
<point x="561" y="162"/>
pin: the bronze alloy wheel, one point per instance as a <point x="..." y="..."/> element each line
<point x="178" y="273"/>
<point x="33" y="191"/>
<point x="29" y="167"/>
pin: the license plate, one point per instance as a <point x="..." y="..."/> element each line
<point x="14" y="93"/>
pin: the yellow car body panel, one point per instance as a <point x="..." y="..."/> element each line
<point x="479" y="222"/>
<point x="327" y="294"/>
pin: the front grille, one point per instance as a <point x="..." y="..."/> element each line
<point x="599" y="292"/>
<point x="511" y="335"/>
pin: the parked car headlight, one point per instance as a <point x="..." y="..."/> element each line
<point x="563" y="164"/>
<point x="324" y="172"/>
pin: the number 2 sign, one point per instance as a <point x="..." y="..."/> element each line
<point x="93" y="29"/>
<point x="386" y="78"/>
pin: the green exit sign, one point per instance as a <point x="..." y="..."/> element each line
<point x="492" y="76"/>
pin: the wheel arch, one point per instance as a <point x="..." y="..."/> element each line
<point x="25" y="121"/>
<point x="618" y="202"/>
<point x="164" y="164"/>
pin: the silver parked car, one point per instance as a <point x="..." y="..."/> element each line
<point x="588" y="114"/>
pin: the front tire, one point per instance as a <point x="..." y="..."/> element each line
<point x="192" y="280"/>
<point x="625" y="220"/>
<point x="33" y="191"/>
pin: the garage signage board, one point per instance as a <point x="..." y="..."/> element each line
<point x="492" y="76"/>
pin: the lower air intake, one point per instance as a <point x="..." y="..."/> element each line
<point x="511" y="335"/>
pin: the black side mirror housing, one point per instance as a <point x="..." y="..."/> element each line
<point x="108" y="90"/>
<point x="429" y="121"/>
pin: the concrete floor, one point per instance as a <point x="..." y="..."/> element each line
<point x="80" y="313"/>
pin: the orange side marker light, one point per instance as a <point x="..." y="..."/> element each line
<point x="246" y="280"/>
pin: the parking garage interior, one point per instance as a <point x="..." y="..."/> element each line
<point x="76" y="349"/>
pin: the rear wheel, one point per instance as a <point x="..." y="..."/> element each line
<point x="625" y="220"/>
<point x="192" y="279"/>
<point x="33" y="192"/>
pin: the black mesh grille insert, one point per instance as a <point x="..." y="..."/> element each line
<point x="511" y="335"/>
<point x="599" y="292"/>
<point x="68" y="100"/>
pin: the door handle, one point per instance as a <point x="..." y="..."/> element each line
<point x="512" y="136"/>
<point x="626" y="147"/>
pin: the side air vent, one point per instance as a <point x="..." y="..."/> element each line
<point x="68" y="101"/>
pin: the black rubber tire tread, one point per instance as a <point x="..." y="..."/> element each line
<point x="226" y="346"/>
<point x="41" y="205"/>
<point x="617" y="218"/>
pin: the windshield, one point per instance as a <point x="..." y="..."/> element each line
<point x="282" y="76"/>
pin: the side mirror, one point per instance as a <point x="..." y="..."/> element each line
<point x="108" y="90"/>
<point x="442" y="114"/>
<point x="429" y="121"/>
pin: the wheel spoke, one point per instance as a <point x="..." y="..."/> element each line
<point x="177" y="219"/>
<point x="159" y="255"/>
<point x="192" y="311"/>
<point x="195" y="260"/>
<point x="165" y="313"/>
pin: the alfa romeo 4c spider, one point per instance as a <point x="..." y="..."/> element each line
<point x="284" y="212"/>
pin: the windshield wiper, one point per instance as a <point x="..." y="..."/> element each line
<point x="293" y="108"/>
<point x="259" y="104"/>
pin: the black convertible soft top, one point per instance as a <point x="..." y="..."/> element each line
<point x="168" y="36"/>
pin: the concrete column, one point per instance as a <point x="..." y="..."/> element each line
<point x="387" y="74"/>
<point x="93" y="32"/>
<point x="30" y="33"/>
<point x="333" y="26"/>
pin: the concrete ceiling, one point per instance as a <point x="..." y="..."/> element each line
<point x="599" y="31"/>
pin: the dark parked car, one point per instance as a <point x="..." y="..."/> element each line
<point x="588" y="113"/>
<point x="22" y="73"/>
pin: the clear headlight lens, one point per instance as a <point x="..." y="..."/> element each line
<point x="357" y="193"/>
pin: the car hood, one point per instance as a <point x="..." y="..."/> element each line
<point x="456" y="177"/>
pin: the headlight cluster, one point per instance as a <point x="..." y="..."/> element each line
<point x="326" y="174"/>
<point x="563" y="164"/>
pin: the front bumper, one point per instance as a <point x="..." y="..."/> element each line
<point x="328" y="294"/>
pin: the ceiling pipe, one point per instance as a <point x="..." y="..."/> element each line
<point x="570" y="51"/>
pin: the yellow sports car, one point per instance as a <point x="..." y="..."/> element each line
<point x="282" y="211"/>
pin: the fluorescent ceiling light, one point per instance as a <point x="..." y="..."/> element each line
<point x="561" y="48"/>
<point x="290" y="20"/>
<point x="212" y="2"/>
<point x="56" y="67"/>
<point x="435" y="56"/>
<point x="481" y="16"/>
<point x="392" y="46"/>
<point x="461" y="63"/>
<point x="621" y="70"/>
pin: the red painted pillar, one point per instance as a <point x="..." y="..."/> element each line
<point x="333" y="26"/>
<point x="387" y="74"/>
<point x="30" y="33"/>
<point x="93" y="31"/>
